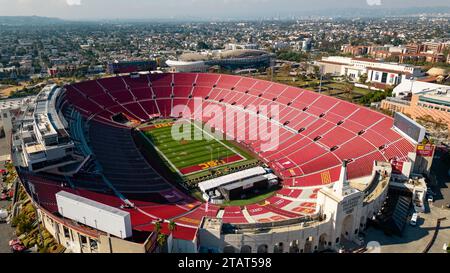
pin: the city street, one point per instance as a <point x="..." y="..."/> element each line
<point x="415" y="238"/>
<point x="441" y="168"/>
<point x="6" y="232"/>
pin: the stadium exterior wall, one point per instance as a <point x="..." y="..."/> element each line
<point x="230" y="63"/>
<point x="78" y="239"/>
<point x="343" y="218"/>
<point x="307" y="237"/>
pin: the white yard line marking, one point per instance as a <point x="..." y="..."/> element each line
<point x="164" y="156"/>
<point x="214" y="138"/>
<point x="223" y="144"/>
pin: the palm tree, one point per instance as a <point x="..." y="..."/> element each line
<point x="363" y="78"/>
<point x="161" y="239"/>
<point x="369" y="85"/>
<point x="349" y="90"/>
<point x="158" y="227"/>
<point x="172" y="226"/>
<point x="348" y="87"/>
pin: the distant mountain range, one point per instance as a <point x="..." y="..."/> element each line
<point x="369" y="12"/>
<point x="29" y="20"/>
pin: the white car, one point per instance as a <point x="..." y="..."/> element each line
<point x="413" y="221"/>
<point x="3" y="214"/>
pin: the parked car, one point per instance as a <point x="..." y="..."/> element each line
<point x="17" y="248"/>
<point x="3" y="215"/>
<point x="16" y="245"/>
<point x="14" y="242"/>
<point x="413" y="221"/>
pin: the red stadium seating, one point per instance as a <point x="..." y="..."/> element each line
<point x="303" y="158"/>
<point x="233" y="215"/>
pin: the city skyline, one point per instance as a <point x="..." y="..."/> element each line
<point x="202" y="9"/>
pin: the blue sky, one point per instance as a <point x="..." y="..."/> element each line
<point x="140" y="9"/>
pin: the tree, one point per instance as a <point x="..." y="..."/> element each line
<point x="287" y="68"/>
<point x="269" y="72"/>
<point x="363" y="78"/>
<point x="388" y="91"/>
<point x="158" y="227"/>
<point x="172" y="226"/>
<point x="202" y="45"/>
<point x="316" y="72"/>
<point x="161" y="239"/>
<point x="313" y="84"/>
<point x="292" y="56"/>
<point x="348" y="88"/>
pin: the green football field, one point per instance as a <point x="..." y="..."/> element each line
<point x="190" y="158"/>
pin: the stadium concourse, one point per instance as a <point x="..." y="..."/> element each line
<point x="317" y="133"/>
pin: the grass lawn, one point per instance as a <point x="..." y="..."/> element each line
<point x="251" y="200"/>
<point x="341" y="86"/>
<point x="195" y="158"/>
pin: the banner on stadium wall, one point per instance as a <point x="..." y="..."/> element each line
<point x="425" y="150"/>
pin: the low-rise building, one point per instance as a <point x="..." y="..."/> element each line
<point x="421" y="100"/>
<point x="381" y="73"/>
<point x="41" y="137"/>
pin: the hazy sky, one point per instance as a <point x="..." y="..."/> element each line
<point x="146" y="9"/>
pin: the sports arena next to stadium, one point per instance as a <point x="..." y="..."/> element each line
<point x="97" y="160"/>
<point x="230" y="59"/>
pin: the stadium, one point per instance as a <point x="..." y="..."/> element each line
<point x="98" y="159"/>
<point x="228" y="59"/>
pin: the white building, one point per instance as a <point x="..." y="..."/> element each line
<point x="342" y="212"/>
<point x="377" y="72"/>
<point x="41" y="138"/>
<point x="8" y="110"/>
<point x="413" y="87"/>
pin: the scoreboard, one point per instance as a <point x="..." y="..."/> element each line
<point x="409" y="128"/>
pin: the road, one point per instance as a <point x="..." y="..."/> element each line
<point x="441" y="168"/>
<point x="415" y="238"/>
<point x="6" y="232"/>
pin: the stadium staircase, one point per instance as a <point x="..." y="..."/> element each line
<point x="395" y="216"/>
<point x="247" y="216"/>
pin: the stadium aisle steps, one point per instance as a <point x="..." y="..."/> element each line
<point x="248" y="216"/>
